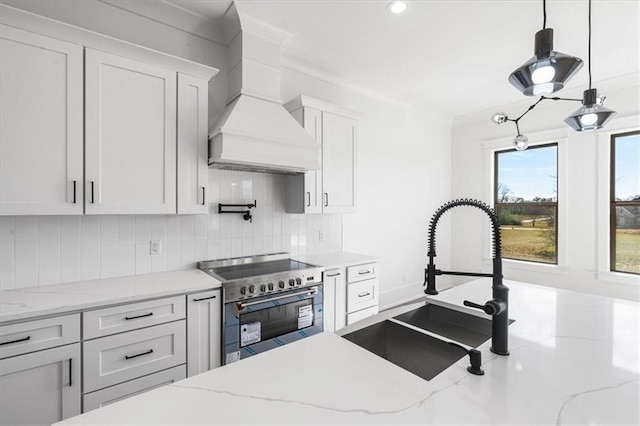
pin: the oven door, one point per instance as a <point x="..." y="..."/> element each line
<point x="263" y="323"/>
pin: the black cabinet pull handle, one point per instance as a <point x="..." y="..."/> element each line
<point x="70" y="372"/>
<point x="74" y="192"/>
<point x="203" y="189"/>
<point x="333" y="275"/>
<point x="204" y="298"/>
<point x="364" y="272"/>
<point x="308" y="199"/>
<point x="365" y="294"/>
<point x="24" y="339"/>
<point x="139" y="316"/>
<point x="326" y="199"/>
<point x="150" y="351"/>
<point x="92" y="199"/>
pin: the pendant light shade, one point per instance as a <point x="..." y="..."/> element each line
<point x="547" y="71"/>
<point x="591" y="115"/>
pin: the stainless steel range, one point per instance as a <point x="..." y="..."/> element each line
<point x="269" y="300"/>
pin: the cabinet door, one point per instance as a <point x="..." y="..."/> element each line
<point x="313" y="180"/>
<point x="41" y="132"/>
<point x="130" y="136"/>
<point x="204" y="332"/>
<point x="40" y="388"/>
<point x="335" y="301"/>
<point x="304" y="192"/>
<point x="338" y="163"/>
<point x="192" y="145"/>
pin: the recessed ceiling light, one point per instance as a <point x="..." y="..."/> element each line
<point x="397" y="6"/>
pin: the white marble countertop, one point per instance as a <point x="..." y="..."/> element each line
<point x="337" y="259"/>
<point x="31" y="302"/>
<point x="574" y="359"/>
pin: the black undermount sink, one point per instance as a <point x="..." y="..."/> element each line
<point x="464" y="328"/>
<point x="422" y="355"/>
<point x="419" y="353"/>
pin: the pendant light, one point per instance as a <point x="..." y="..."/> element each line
<point x="592" y="115"/>
<point x="547" y="71"/>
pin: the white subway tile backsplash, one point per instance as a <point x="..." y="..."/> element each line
<point x="174" y="243"/>
<point x="236" y="247"/>
<point x="109" y="242"/>
<point x="201" y="249"/>
<point x="90" y="247"/>
<point x="225" y="248"/>
<point x="49" y="242"/>
<point x="26" y="251"/>
<point x="41" y="250"/>
<point x="7" y="245"/>
<point x="247" y="246"/>
<point x="70" y="249"/>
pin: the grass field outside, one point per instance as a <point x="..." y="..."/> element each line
<point x="537" y="245"/>
<point x="528" y="243"/>
<point x="628" y="250"/>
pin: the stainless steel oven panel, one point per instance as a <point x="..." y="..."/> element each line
<point x="233" y="350"/>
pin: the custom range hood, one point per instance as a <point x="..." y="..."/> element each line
<point x="255" y="132"/>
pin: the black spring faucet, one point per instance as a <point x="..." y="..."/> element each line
<point x="498" y="307"/>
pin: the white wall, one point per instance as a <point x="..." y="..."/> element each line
<point x="581" y="265"/>
<point x="404" y="162"/>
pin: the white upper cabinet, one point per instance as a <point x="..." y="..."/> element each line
<point x="332" y="189"/>
<point x="304" y="194"/>
<point x="192" y="145"/>
<point x="338" y="163"/>
<point x="41" y="150"/>
<point x="130" y="118"/>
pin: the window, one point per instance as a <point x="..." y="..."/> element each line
<point x="526" y="201"/>
<point x="625" y="202"/>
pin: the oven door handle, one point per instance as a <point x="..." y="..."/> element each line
<point x="312" y="291"/>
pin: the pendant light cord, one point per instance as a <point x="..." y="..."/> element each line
<point x="589" y="54"/>
<point x="544" y="14"/>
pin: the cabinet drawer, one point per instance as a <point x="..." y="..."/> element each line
<point x="131" y="388"/>
<point x="362" y="295"/>
<point x="103" y="322"/>
<point x="360" y="315"/>
<point x="115" y="359"/>
<point x="16" y="339"/>
<point x="362" y="272"/>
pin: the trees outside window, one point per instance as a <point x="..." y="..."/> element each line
<point x="526" y="201"/>
<point x="625" y="202"/>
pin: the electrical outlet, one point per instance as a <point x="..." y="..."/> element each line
<point x="154" y="247"/>
<point x="320" y="235"/>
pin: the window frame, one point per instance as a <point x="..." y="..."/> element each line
<point x="612" y="200"/>
<point x="555" y="204"/>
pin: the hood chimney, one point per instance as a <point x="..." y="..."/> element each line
<point x="255" y="132"/>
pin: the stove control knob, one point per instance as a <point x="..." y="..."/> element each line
<point x="243" y="290"/>
<point x="270" y="286"/>
<point x="263" y="288"/>
<point x="292" y="282"/>
<point x="299" y="281"/>
<point x="252" y="289"/>
<point x="281" y="284"/>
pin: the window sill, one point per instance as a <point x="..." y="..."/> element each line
<point x="521" y="265"/>
<point x="618" y="278"/>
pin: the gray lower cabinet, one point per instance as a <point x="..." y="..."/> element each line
<point x="204" y="331"/>
<point x="131" y="388"/>
<point x="40" y="388"/>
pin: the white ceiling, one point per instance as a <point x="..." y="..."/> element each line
<point x="451" y="55"/>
